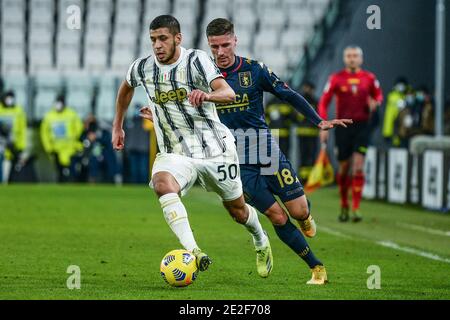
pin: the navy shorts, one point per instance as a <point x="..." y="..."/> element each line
<point x="260" y="190"/>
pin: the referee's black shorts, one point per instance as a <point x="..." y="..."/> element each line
<point x="354" y="138"/>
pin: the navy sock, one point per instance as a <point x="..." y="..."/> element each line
<point x="294" y="238"/>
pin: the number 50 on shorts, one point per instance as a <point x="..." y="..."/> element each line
<point x="227" y="171"/>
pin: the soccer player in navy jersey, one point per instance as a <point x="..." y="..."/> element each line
<point x="250" y="79"/>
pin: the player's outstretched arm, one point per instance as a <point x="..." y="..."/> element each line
<point x="326" y="125"/>
<point x="222" y="93"/>
<point x="124" y="97"/>
<point x="270" y="82"/>
<point x="280" y="89"/>
<point x="302" y="106"/>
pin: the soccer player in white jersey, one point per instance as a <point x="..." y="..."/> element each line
<point x="182" y="87"/>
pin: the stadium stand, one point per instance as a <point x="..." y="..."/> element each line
<point x="41" y="30"/>
<point x="187" y="13"/>
<point x="105" y="98"/>
<point x="13" y="33"/>
<point x="46" y="86"/>
<point x="68" y="41"/>
<point x="42" y="55"/>
<point x="98" y="34"/>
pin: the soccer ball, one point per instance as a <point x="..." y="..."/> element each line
<point x="179" y="268"/>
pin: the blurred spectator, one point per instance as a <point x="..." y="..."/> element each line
<point x="280" y="116"/>
<point x="307" y="135"/>
<point x="447" y="117"/>
<point x="425" y="111"/>
<point x="13" y="133"/>
<point x="60" y="133"/>
<point x="404" y="123"/>
<point x="97" y="161"/>
<point x="137" y="148"/>
<point x="395" y="103"/>
<point x="417" y="117"/>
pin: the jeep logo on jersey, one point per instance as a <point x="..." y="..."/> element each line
<point x="245" y="79"/>
<point x="162" y="97"/>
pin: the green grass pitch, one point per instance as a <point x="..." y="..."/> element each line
<point x="118" y="236"/>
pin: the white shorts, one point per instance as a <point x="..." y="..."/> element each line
<point x="220" y="174"/>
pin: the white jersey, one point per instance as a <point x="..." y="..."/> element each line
<point x="181" y="128"/>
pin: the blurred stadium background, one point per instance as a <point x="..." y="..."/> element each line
<point x="81" y="49"/>
<point x="42" y="55"/>
<point x="78" y="51"/>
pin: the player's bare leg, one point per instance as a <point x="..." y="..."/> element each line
<point x="299" y="209"/>
<point x="248" y="217"/>
<point x="293" y="237"/>
<point x="357" y="184"/>
<point x="168" y="189"/>
<point x="344" y="182"/>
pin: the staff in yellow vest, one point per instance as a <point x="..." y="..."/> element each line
<point x="13" y="132"/>
<point x="396" y="102"/>
<point x="60" y="135"/>
<point x="280" y="116"/>
<point x="307" y="135"/>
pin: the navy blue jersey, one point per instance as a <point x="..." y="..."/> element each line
<point x="249" y="80"/>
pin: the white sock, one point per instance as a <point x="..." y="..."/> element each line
<point x="177" y="219"/>
<point x="254" y="227"/>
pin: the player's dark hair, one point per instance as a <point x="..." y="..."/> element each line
<point x="166" y="21"/>
<point x="219" y="27"/>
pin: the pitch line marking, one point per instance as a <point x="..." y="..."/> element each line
<point x="429" y="255"/>
<point x="425" y="229"/>
<point x="388" y="244"/>
<point x="334" y="232"/>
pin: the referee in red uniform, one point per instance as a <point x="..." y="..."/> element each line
<point x="358" y="94"/>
